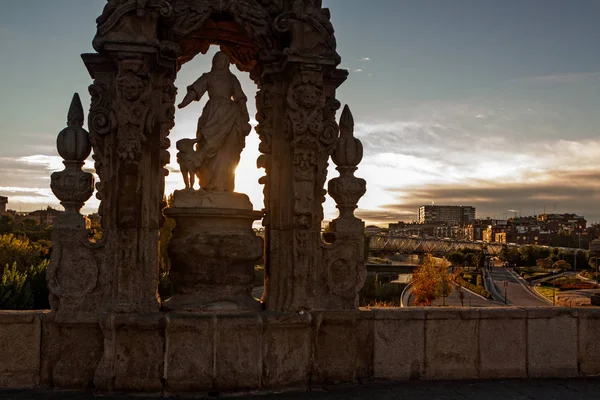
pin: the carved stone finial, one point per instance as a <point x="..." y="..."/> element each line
<point x="346" y="122"/>
<point x="348" y="150"/>
<point x="75" y="116"/>
<point x="347" y="189"/>
<point x="72" y="186"/>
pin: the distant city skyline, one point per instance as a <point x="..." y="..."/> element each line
<point x="478" y="102"/>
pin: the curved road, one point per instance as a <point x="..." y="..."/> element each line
<point x="470" y="300"/>
<point x="517" y="294"/>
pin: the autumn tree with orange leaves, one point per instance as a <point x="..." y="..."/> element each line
<point x="431" y="280"/>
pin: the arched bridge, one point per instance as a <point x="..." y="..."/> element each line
<point x="435" y="246"/>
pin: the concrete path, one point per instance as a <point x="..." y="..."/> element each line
<point x="470" y="300"/>
<point x="536" y="389"/>
<point x="517" y="293"/>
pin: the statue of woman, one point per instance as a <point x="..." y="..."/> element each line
<point x="222" y="127"/>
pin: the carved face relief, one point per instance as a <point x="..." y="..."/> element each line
<point x="132" y="87"/>
<point x="308" y="96"/>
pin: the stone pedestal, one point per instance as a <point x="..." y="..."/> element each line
<point x="213" y="252"/>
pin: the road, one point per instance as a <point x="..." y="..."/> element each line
<point x="516" y="293"/>
<point x="470" y="300"/>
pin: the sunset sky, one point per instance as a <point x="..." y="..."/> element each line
<point x="490" y="103"/>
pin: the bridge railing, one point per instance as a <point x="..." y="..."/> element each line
<point x="417" y="245"/>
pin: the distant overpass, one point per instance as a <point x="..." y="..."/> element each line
<point x="384" y="244"/>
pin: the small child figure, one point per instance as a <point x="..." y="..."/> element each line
<point x="188" y="160"/>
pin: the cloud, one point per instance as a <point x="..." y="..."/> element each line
<point x="570" y="78"/>
<point x="575" y="192"/>
<point x="511" y="156"/>
<point x="566" y="191"/>
<point x="357" y="70"/>
<point x="365" y="59"/>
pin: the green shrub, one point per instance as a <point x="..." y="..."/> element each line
<point x="15" y="292"/>
<point x="21" y="252"/>
<point x="375" y="290"/>
<point x="36" y="278"/>
<point x="480" y="290"/>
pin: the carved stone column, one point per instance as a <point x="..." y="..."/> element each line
<point x="131" y="115"/>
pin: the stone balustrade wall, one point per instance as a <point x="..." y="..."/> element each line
<point x="173" y="353"/>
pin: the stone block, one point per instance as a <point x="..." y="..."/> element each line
<point x="452" y="344"/>
<point x="71" y="352"/>
<point x="503" y="343"/>
<point x="343" y="346"/>
<point x="399" y="344"/>
<point x="190" y="352"/>
<point x="20" y="344"/>
<point x="133" y="358"/>
<point x="286" y="349"/>
<point x="238" y="352"/>
<point x="589" y="341"/>
<point x="551" y="342"/>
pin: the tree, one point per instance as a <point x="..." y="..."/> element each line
<point x="511" y="256"/>
<point x="528" y="255"/>
<point x="21" y="252"/>
<point x="562" y="265"/>
<point x="6" y="224"/>
<point x="471" y="260"/>
<point x="456" y="258"/>
<point x="545" y="263"/>
<point x="593" y="262"/>
<point x="431" y="281"/>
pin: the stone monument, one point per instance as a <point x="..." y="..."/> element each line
<point x="214" y="249"/>
<point x="107" y="326"/>
<point x="289" y="50"/>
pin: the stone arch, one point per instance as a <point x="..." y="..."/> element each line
<point x="289" y="49"/>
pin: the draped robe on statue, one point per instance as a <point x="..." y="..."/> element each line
<point x="222" y="129"/>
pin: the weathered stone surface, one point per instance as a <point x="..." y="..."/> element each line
<point x="286" y="349"/>
<point x="238" y="352"/>
<point x="71" y="352"/>
<point x="343" y="346"/>
<point x="20" y="343"/>
<point x="213" y="253"/>
<point x="502" y="343"/>
<point x="210" y="199"/>
<point x="399" y="344"/>
<point x="551" y="342"/>
<point x="133" y="357"/>
<point x="452" y="344"/>
<point x="589" y="343"/>
<point x="190" y="352"/>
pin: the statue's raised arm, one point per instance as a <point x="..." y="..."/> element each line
<point x="195" y="91"/>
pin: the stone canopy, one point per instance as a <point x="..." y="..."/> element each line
<point x="289" y="50"/>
